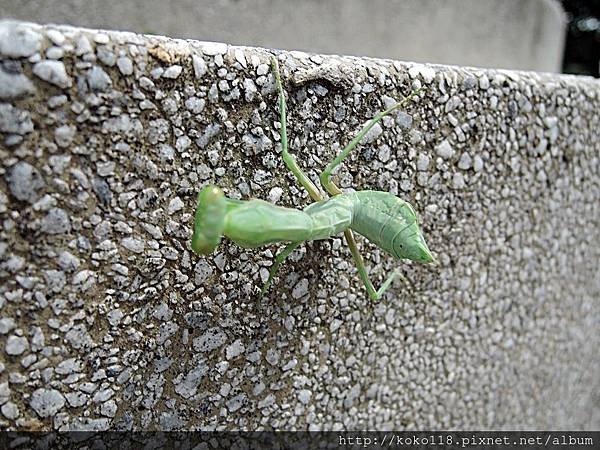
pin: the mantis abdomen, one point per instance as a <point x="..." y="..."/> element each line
<point x="390" y="223"/>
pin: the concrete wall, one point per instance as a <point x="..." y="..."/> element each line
<point x="107" y="319"/>
<point x="516" y="34"/>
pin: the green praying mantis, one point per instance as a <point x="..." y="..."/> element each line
<point x="384" y="219"/>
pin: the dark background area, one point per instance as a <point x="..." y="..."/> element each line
<point x="582" y="49"/>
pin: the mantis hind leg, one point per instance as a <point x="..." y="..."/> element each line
<point x="278" y="260"/>
<point x="289" y="160"/>
<point x="362" y="270"/>
<point x="331" y="188"/>
<point x="325" y="176"/>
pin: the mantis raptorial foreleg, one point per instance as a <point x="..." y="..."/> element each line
<point x="278" y="260"/>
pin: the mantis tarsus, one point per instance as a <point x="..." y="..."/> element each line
<point x="384" y="219"/>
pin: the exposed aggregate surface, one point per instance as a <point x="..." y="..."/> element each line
<point x="108" y="320"/>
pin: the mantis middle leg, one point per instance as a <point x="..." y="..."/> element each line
<point x="292" y="165"/>
<point x="289" y="160"/>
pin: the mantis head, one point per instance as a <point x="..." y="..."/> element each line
<point x="209" y="220"/>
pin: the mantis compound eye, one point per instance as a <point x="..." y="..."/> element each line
<point x="209" y="220"/>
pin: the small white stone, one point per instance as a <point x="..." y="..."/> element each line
<point x="14" y="85"/>
<point x="46" y="402"/>
<point x="235" y="349"/>
<point x="16" y="345"/>
<point x="372" y="134"/>
<point x="444" y="149"/>
<point x="477" y="163"/>
<point x="18" y="40"/>
<point x="56" y="37"/>
<point x="10" y="411"/>
<point x="176" y="204"/>
<point x="301" y="289"/>
<point x="125" y="65"/>
<point x="214" y="48"/>
<point x="172" y="72"/>
<point x="427" y="73"/>
<point x="133" y="245"/>
<point x="422" y="162"/>
<point x="275" y="194"/>
<point x="240" y="57"/>
<point x="101" y="38"/>
<point x="465" y="161"/>
<point x="304" y="396"/>
<point x="83" y="46"/>
<point x="458" y="181"/>
<point x="53" y="72"/>
<point x="199" y="66"/>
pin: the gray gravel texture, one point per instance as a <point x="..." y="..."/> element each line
<point x="108" y="320"/>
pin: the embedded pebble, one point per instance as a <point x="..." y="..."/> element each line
<point x="304" y="396"/>
<point x="15" y="345"/>
<point x="56" y="37"/>
<point x="125" y="65"/>
<point x="24" y="182"/>
<point x="458" y="181"/>
<point x="172" y="72"/>
<point x="14" y="120"/>
<point x="274" y="194"/>
<point x="372" y="134"/>
<point x="477" y="163"/>
<point x="200" y="67"/>
<point x="235" y="349"/>
<point x="214" y="48"/>
<point x="6" y="324"/>
<point x="444" y="149"/>
<point x="106" y="57"/>
<point x="55" y="53"/>
<point x="422" y="162"/>
<point x="83" y="46"/>
<point x="4" y="392"/>
<point x="56" y="221"/>
<point x="46" y="402"/>
<point x="64" y="135"/>
<point x="98" y="79"/>
<point x="202" y="271"/>
<point x="301" y="289"/>
<point x="176" y="204"/>
<point x="10" y="411"/>
<point x="465" y="161"/>
<point x="14" y="85"/>
<point x="18" y="40"/>
<point x="404" y="120"/>
<point x="427" y="73"/>
<point x="133" y="245"/>
<point x="212" y="339"/>
<point x="53" y="72"/>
